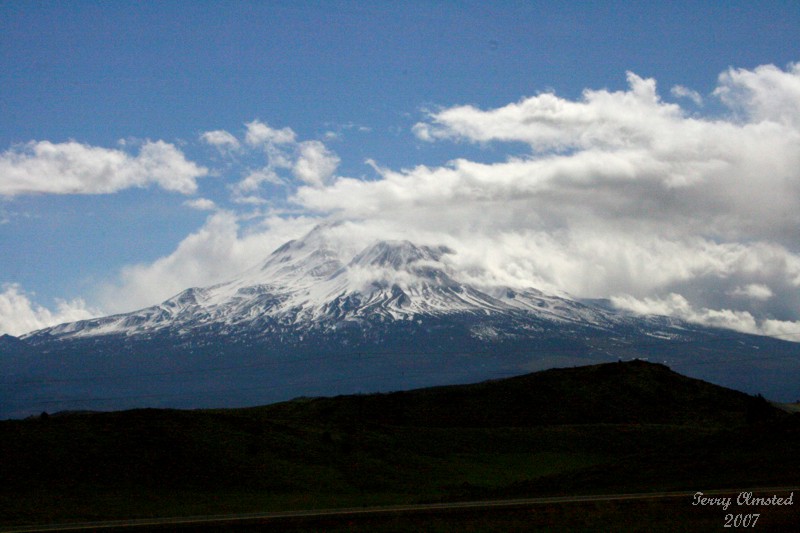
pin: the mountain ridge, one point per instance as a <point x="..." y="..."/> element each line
<point x="627" y="392"/>
<point x="313" y="320"/>
<point x="389" y="279"/>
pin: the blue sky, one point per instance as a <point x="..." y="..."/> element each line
<point x="366" y="92"/>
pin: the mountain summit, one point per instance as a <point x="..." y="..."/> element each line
<point x="305" y="285"/>
<point x="313" y="320"/>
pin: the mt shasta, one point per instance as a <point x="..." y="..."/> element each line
<point x="313" y="320"/>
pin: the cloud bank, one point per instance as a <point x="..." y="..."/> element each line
<point x="622" y="195"/>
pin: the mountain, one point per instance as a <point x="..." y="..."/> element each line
<point x="11" y="343"/>
<point x="314" y="320"/>
<point x="308" y="288"/>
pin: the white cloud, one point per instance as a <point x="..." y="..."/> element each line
<point x="75" y="168"/>
<point x="679" y="91"/>
<point x="766" y="93"/>
<point x="221" y="139"/>
<point x="18" y="314"/>
<point x="547" y="122"/>
<point x="338" y="130"/>
<point x="611" y="158"/>
<point x="755" y="291"/>
<point x="247" y="190"/>
<point x="315" y="164"/>
<point x="201" y="204"/>
<point x="260" y="133"/>
<point x="216" y="252"/>
<point x="675" y="305"/>
<point x="288" y="162"/>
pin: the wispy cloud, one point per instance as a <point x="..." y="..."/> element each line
<point x="286" y="162"/>
<point x="675" y="305"/>
<point x="753" y="291"/>
<point x="220" y="139"/>
<point x="261" y="134"/>
<point x="201" y="204"/>
<point x="679" y="91"/>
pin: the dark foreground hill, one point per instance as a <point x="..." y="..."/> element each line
<point x="611" y="428"/>
<point x="635" y="392"/>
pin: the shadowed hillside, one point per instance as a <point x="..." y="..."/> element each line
<point x="618" y="427"/>
<point x="631" y="392"/>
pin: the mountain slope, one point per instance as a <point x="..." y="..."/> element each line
<point x="313" y="320"/>
<point x="311" y="288"/>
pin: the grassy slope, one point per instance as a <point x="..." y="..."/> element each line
<point x="605" y="428"/>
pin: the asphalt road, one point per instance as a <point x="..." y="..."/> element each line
<point x="211" y="520"/>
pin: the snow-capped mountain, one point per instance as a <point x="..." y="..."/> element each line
<point x="307" y="285"/>
<point x="313" y="319"/>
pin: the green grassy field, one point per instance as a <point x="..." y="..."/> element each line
<point x="618" y="428"/>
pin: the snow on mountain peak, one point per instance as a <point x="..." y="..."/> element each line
<point x="398" y="255"/>
<point x="310" y="283"/>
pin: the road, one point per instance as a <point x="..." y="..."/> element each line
<point x="384" y="509"/>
